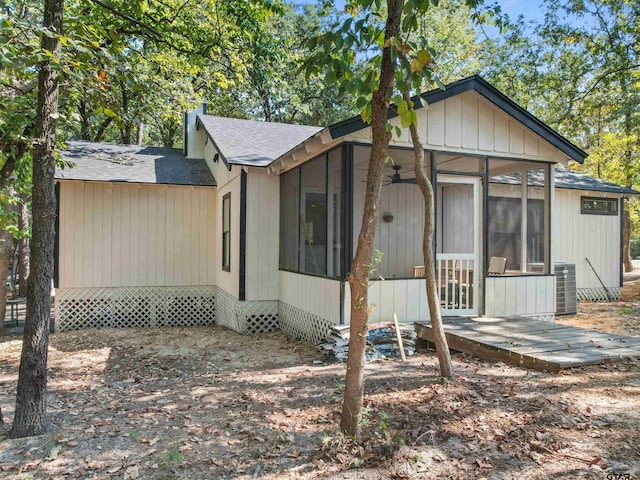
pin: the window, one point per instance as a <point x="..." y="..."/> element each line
<point x="226" y="232"/>
<point x="311" y="217"/>
<point x="517" y="216"/>
<point x="598" y="206"/>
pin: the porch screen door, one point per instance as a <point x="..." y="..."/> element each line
<point x="458" y="267"/>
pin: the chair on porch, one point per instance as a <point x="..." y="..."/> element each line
<point x="497" y="266"/>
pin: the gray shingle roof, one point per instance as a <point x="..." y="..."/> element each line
<point x="132" y="163"/>
<point x="565" y="178"/>
<point x="248" y="142"/>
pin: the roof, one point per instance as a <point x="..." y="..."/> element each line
<point x="492" y="94"/>
<point x="253" y="143"/>
<point x="104" y="162"/>
<point x="569" y="179"/>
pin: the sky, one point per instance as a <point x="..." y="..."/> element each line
<point x="531" y="9"/>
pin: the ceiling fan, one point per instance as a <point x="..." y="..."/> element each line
<point x="396" y="178"/>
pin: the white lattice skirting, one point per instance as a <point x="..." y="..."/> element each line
<point x="78" y="308"/>
<point x="245" y="317"/>
<point x="598" y="294"/>
<point x="297" y="323"/>
<point x="121" y="307"/>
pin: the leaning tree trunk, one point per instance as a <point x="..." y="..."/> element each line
<point x="439" y="338"/>
<point x="31" y="398"/>
<point x="359" y="276"/>
<point x="23" y="246"/>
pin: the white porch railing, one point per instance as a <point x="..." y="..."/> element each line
<point x="455" y="277"/>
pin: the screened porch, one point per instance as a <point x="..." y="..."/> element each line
<point x="484" y="209"/>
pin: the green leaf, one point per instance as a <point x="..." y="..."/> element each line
<point x="424" y="57"/>
<point x="405" y="120"/>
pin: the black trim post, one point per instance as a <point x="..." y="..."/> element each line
<point x="548" y="172"/>
<point x="348" y="245"/>
<point x="328" y="243"/>
<point x="185" y="136"/>
<point x="485" y="217"/>
<point x="243" y="236"/>
<point x="622" y="241"/>
<point x="485" y="235"/>
<point x="56" y="242"/>
<point x="346" y="221"/>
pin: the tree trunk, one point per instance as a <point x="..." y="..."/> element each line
<point x="6" y="242"/>
<point x="626" y="241"/>
<point x="85" y="123"/>
<point x="6" y="260"/>
<point x="31" y="398"/>
<point x="439" y="338"/>
<point x="125" y="132"/>
<point x="102" y="130"/>
<point x="23" y="246"/>
<point x="140" y="133"/>
<point x="266" y="105"/>
<point x="359" y="276"/>
<point x="629" y="166"/>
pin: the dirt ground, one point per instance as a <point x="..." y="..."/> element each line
<point x="208" y="403"/>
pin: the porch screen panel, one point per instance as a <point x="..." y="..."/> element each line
<point x="536" y="225"/>
<point x="289" y="219"/>
<point x="334" y="213"/>
<point x="313" y="217"/>
<point x="518" y="220"/>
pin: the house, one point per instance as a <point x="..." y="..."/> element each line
<point x="254" y="225"/>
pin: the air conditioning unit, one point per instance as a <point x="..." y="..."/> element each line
<point x="566" y="300"/>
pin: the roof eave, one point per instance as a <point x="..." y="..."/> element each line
<point x="200" y="123"/>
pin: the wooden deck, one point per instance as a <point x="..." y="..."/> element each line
<point x="532" y="343"/>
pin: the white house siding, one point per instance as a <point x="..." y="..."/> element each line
<point x="119" y="235"/>
<point x="468" y="123"/>
<point x="135" y="255"/>
<point x="308" y="305"/>
<point x="228" y="281"/>
<point x="576" y="236"/>
<point x="263" y="235"/>
<point x="527" y="296"/>
<point x="228" y="181"/>
<point x="407" y="298"/>
<point x="218" y="168"/>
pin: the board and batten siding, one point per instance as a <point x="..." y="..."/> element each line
<point x="576" y="236"/>
<point x="263" y="235"/>
<point x="532" y="295"/>
<point x="228" y="281"/>
<point x="469" y="123"/>
<point x="316" y="295"/>
<point x="407" y="298"/>
<point x="119" y="235"/>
